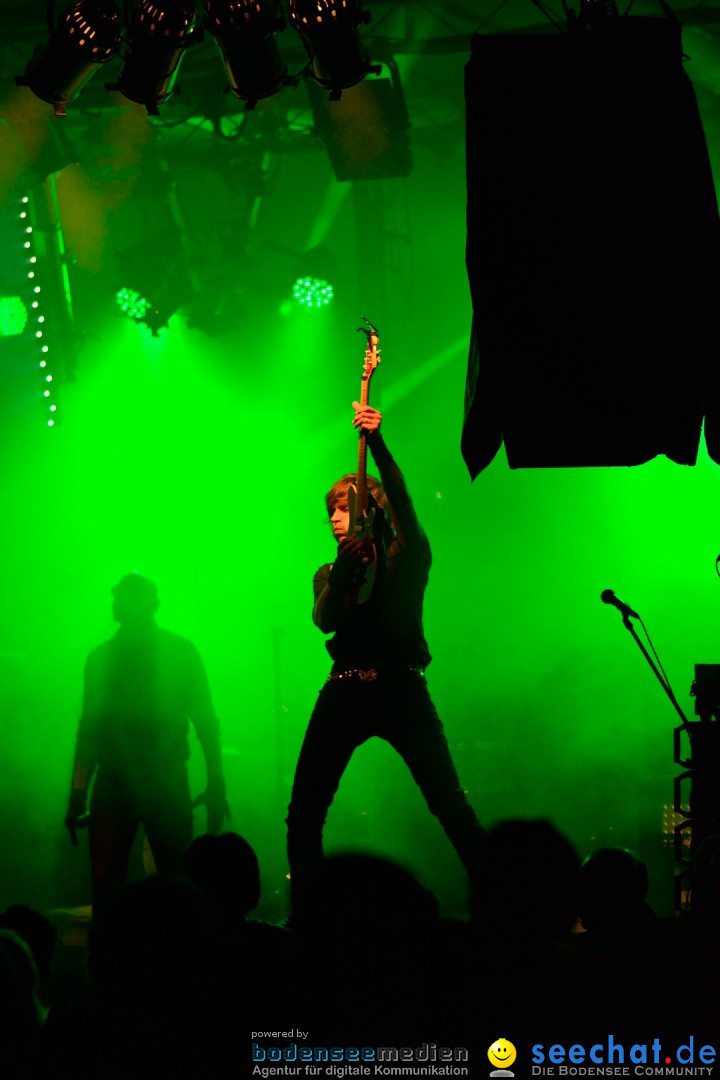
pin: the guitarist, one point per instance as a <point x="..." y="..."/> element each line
<point x="377" y="683"/>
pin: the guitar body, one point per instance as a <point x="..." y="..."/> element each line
<point x="362" y="517"/>
<point x="361" y="522"/>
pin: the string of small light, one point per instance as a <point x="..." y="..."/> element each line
<point x="49" y="390"/>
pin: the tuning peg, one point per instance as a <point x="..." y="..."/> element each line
<point x="370" y="328"/>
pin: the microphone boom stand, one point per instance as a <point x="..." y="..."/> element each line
<point x="682" y="894"/>
<point x="659" y="675"/>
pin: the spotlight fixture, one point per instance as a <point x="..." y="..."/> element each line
<point x="154" y="314"/>
<point x="329" y="32"/>
<point x="132" y="304"/>
<point x="154" y="279"/>
<point x="313" y="292"/>
<point x="87" y="35"/>
<point x="313" y="274"/>
<point x="245" y="32"/>
<point x="13" y="316"/>
<point x="159" y="35"/>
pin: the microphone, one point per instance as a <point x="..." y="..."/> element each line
<point x="608" y="597"/>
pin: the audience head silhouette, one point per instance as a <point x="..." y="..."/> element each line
<point x="367" y="895"/>
<point x="36" y="931"/>
<point x="527" y="886"/>
<point x="226" y="868"/>
<point x="613" y="887"/>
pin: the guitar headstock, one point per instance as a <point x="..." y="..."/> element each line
<point x="372" y="353"/>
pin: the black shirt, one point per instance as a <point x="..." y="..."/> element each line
<point x="386" y="631"/>
<point x="141" y="692"/>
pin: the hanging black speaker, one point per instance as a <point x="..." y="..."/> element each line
<point x="592" y="250"/>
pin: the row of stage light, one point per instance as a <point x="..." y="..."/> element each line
<point x="157" y="33"/>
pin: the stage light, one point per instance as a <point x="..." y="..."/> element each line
<point x="160" y="33"/>
<point x="329" y="32"/>
<point x="156" y="316"/>
<point x="132" y="304"/>
<point x="313" y="292"/>
<point x="312" y="273"/>
<point x="156" y="276"/>
<point x="245" y="31"/>
<point x="23" y="311"/>
<point x="13" y="316"/>
<point x="87" y="35"/>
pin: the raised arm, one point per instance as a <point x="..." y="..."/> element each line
<point x="405" y="521"/>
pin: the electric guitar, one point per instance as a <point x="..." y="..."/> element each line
<point x="362" y="518"/>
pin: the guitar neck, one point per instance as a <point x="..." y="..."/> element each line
<point x="361" y="482"/>
<point x="372" y="359"/>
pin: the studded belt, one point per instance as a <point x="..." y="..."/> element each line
<point x="370" y="674"/>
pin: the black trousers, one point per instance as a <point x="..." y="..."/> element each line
<point x="396" y="707"/>
<point x="121" y="803"/>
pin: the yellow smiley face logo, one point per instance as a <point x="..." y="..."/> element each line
<point x="502" y="1054"/>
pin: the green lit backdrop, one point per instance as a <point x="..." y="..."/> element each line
<point x="201" y="459"/>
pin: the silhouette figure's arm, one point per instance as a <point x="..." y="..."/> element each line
<point x="207" y="726"/>
<point x="85" y="761"/>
